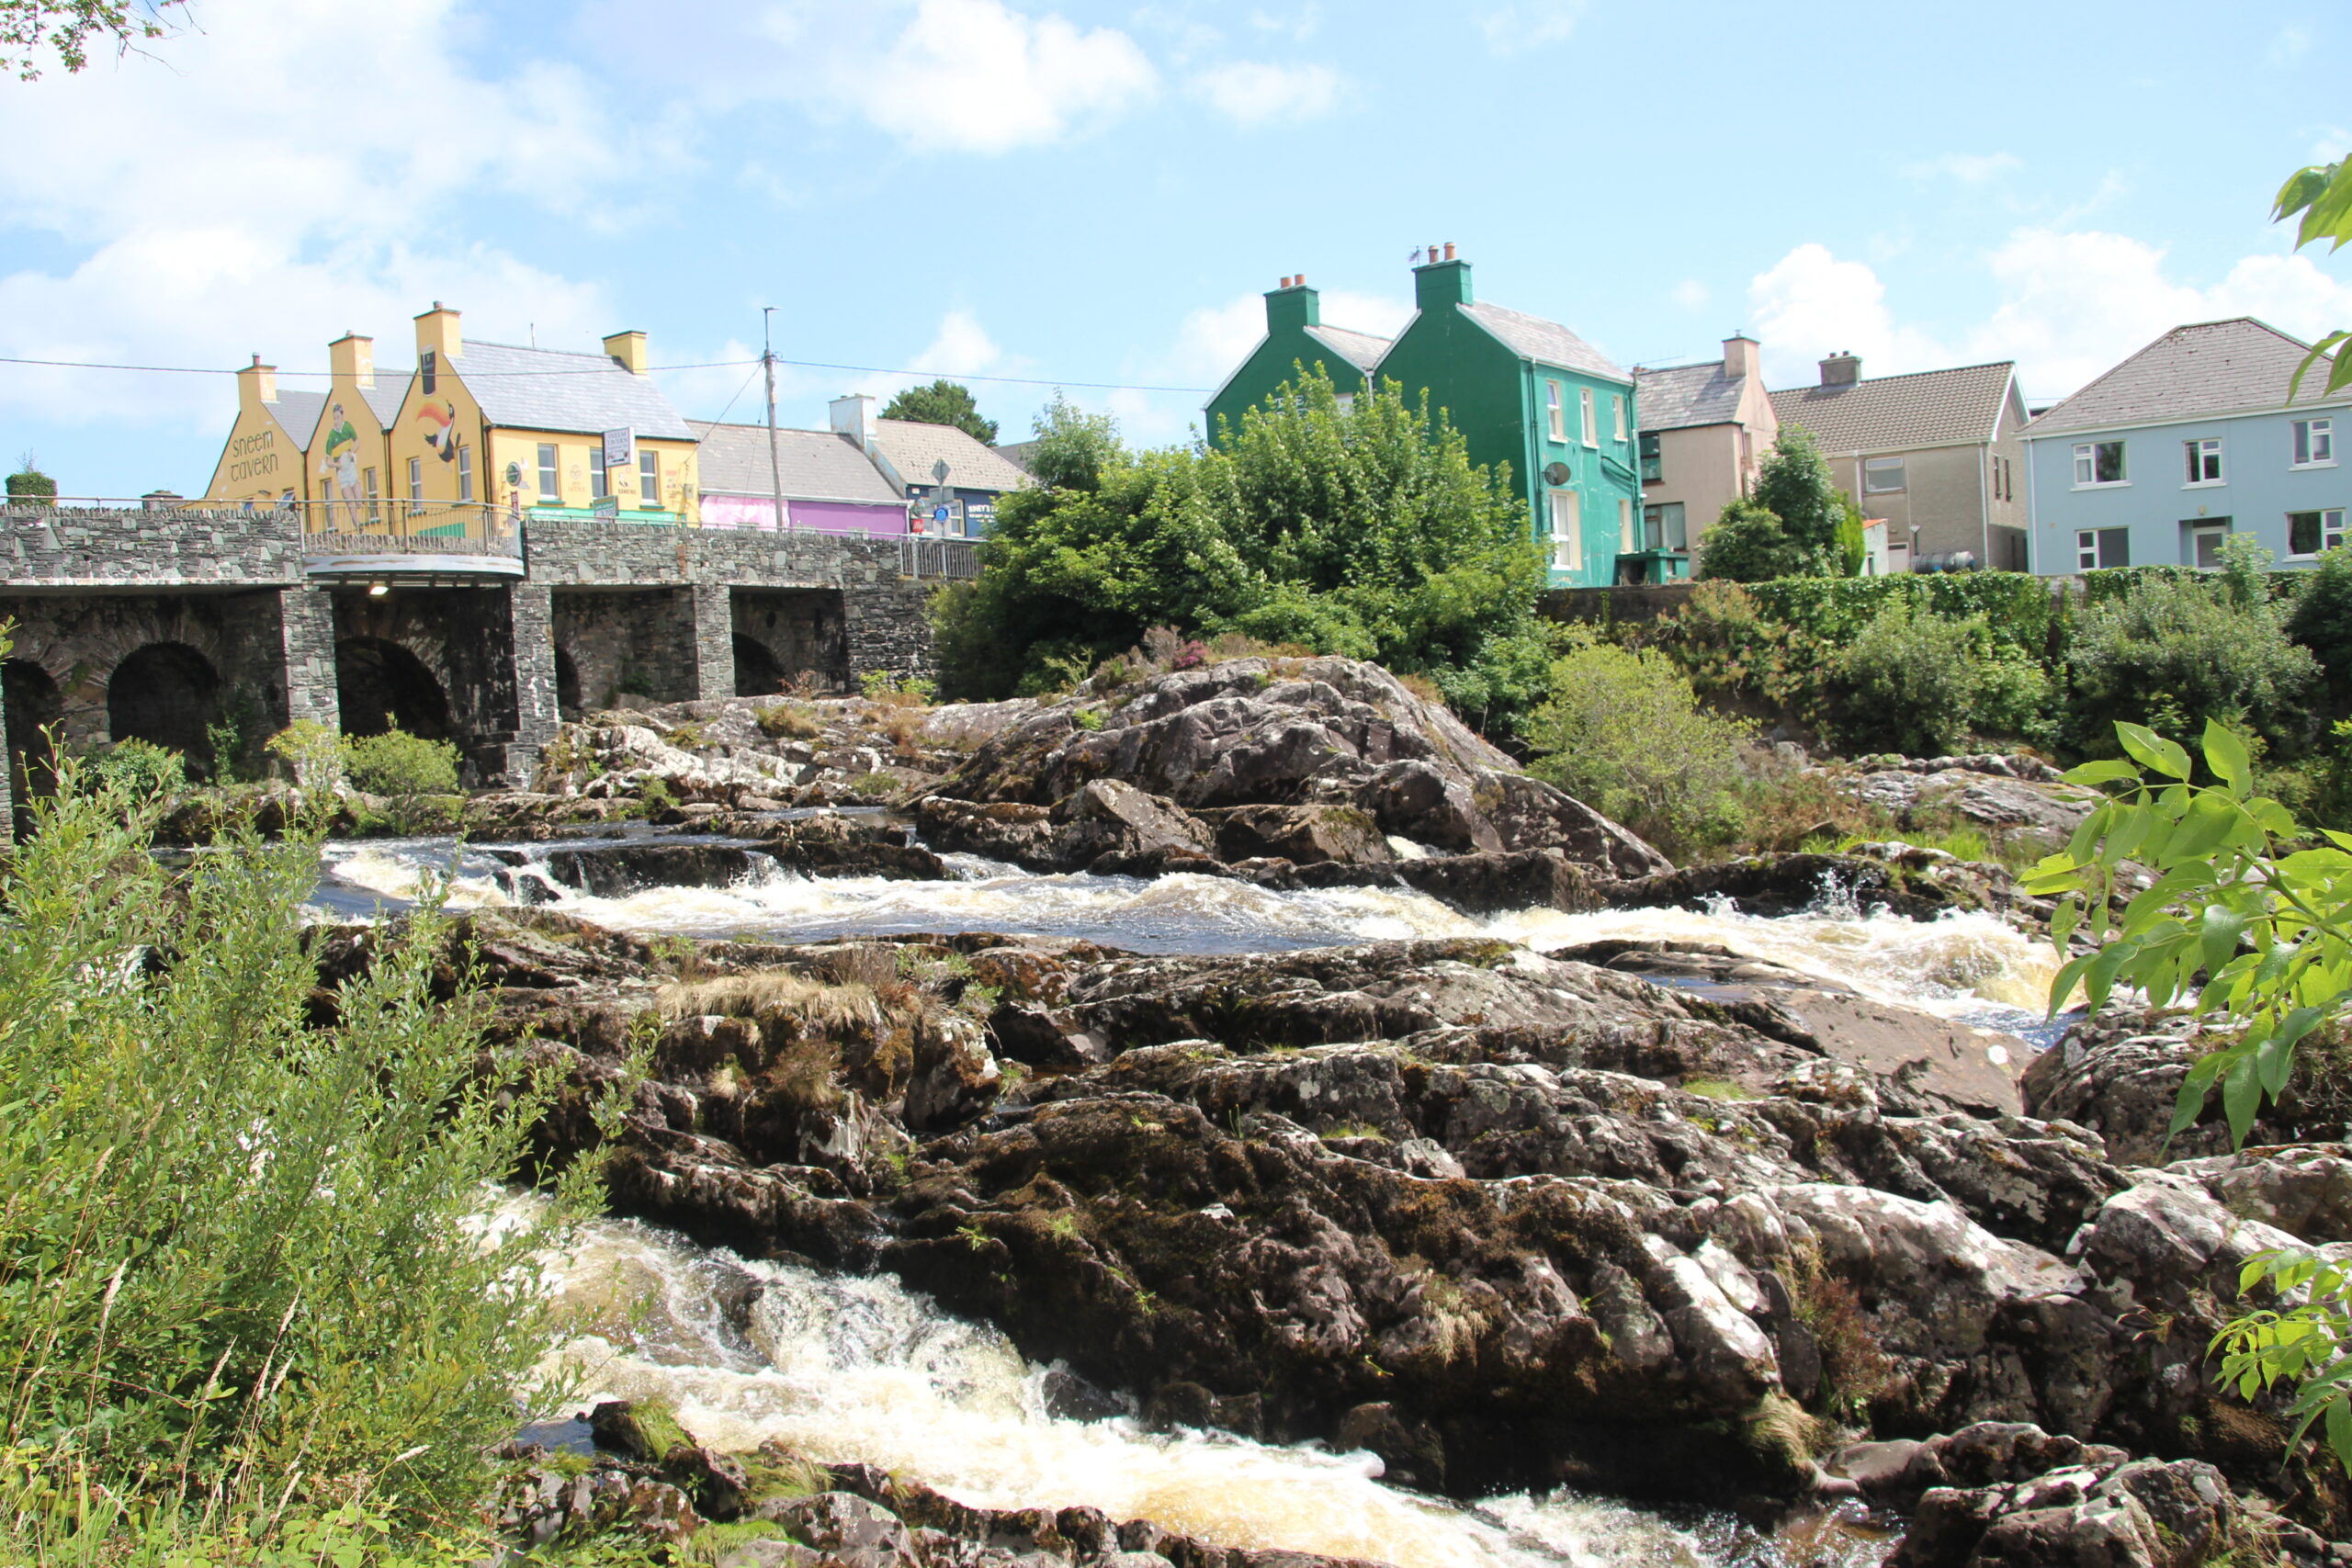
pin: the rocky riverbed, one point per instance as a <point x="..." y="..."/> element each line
<point x="1466" y="1136"/>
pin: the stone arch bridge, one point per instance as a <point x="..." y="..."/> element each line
<point x="204" y="629"/>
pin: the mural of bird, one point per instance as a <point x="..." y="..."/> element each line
<point x="441" y="434"/>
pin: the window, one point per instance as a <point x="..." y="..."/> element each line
<point x="2096" y="548"/>
<point x="426" y="363"/>
<point x="649" y="479"/>
<point x="1617" y="412"/>
<point x="2308" y="532"/>
<point x="2002" y="481"/>
<point x="1881" y="474"/>
<point x="1558" y="412"/>
<point x="1663" y="527"/>
<point x="1568" y="545"/>
<point x="1591" y="430"/>
<point x="2204" y="460"/>
<point x="2201" y="541"/>
<point x="2099" y="463"/>
<point x="375" y="495"/>
<point x="2315" y="442"/>
<point x="1347" y="401"/>
<point x="415" y="483"/>
<point x="1650" y="458"/>
<point x="599" y="485"/>
<point x="465" y="473"/>
<point x="550" y="478"/>
<point x="1625" y="526"/>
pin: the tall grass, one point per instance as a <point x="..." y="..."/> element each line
<point x="246" y="1276"/>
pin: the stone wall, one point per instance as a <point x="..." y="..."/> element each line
<point x="627" y="640"/>
<point x="126" y="548"/>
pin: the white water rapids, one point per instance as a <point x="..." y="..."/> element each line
<point x="847" y="1368"/>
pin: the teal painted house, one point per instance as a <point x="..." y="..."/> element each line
<point x="1296" y="336"/>
<point x="1530" y="393"/>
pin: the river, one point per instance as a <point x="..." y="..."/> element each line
<point x="854" y="1368"/>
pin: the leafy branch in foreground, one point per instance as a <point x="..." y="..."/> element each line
<point x="67" y="31"/>
<point x="2245" y="923"/>
<point x="2323" y="194"/>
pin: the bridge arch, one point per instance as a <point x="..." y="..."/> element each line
<point x="566" y="685"/>
<point x="165" y="693"/>
<point x="757" y="671"/>
<point x="35" y="711"/>
<point x="379" y="683"/>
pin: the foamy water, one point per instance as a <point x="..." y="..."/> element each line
<point x="1961" y="966"/>
<point x="861" y="1368"/>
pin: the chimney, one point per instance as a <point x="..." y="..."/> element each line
<point x="1294" y="304"/>
<point x="629" y="350"/>
<point x="853" y="416"/>
<point x="1841" y="369"/>
<point x="1449" y="250"/>
<point x="1441" y="281"/>
<point x="353" y="359"/>
<point x="437" y="334"/>
<point x="1740" y="356"/>
<point x="256" y="385"/>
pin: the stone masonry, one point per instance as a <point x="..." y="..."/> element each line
<point x="215" y="613"/>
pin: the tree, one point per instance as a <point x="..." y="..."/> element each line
<point x="1745" y="544"/>
<point x="1795" y="524"/>
<point x="943" y="402"/>
<point x="2250" y="917"/>
<point x="30" y="28"/>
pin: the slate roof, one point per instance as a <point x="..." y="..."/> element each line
<point x="1362" y="350"/>
<point x="913" y="448"/>
<point x="550" y="389"/>
<point x="816" y="465"/>
<point x="386" y="396"/>
<point x="298" y="414"/>
<point x="1681" y="396"/>
<point x="1532" y="337"/>
<point x="2205" y="368"/>
<point x="1901" y="414"/>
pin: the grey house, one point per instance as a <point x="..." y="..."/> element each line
<point x="1937" y="455"/>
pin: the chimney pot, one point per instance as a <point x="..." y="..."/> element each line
<point x="1449" y="250"/>
<point x="1298" y="280"/>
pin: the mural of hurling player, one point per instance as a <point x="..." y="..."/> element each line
<point x="341" y="463"/>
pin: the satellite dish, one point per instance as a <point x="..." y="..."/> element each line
<point x="1556" y="473"/>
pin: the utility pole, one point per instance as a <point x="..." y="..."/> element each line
<point x="775" y="467"/>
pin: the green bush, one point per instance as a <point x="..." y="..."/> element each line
<point x="1797" y="524"/>
<point x="2321" y="618"/>
<point x="1623" y="732"/>
<point x="1907" y="682"/>
<point x="398" y="763"/>
<point x="141" y="769"/>
<point x="245" y="1261"/>
<point x="2171" y="653"/>
<point x="28" y="485"/>
<point x="312" y="751"/>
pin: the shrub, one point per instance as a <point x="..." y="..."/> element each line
<point x="247" y="1257"/>
<point x="312" y="751"/>
<point x="2172" y="652"/>
<point x="1907" y="682"/>
<point x="28" y="485"/>
<point x="398" y="763"/>
<point x="2322" y="618"/>
<point x="892" y="690"/>
<point x="1624" y="731"/>
<point x="789" y="721"/>
<point x="139" y="769"/>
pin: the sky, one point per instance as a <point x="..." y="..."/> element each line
<point x="1095" y="197"/>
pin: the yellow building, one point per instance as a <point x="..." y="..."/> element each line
<point x="525" y="431"/>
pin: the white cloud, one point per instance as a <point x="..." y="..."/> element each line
<point x="2289" y="45"/>
<point x="1249" y="93"/>
<point x="1530" y="24"/>
<point x="1213" y="339"/>
<point x="2071" y="306"/>
<point x="1969" y="168"/>
<point x="1690" y="294"/>
<point x="228" y="202"/>
<point x="1811" y="304"/>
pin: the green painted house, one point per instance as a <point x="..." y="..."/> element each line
<point x="1530" y="393"/>
<point x="1296" y="336"/>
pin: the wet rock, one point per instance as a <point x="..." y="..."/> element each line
<point x="612" y="871"/>
<point x="1919" y="883"/>
<point x="1528" y="813"/>
<point x="1303" y="835"/>
<point x="847" y="1530"/>
<point x="1491" y="883"/>
<point x="1104" y="817"/>
<point x="831" y="845"/>
<point x="1005" y="830"/>
<point x="717" y="1482"/>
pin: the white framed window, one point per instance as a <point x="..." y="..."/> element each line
<point x="415" y="482"/>
<point x="2099" y="463"/>
<point x="1881" y="474"/>
<point x="599" y="483"/>
<point x="1567" y="537"/>
<point x="1555" y="410"/>
<point x="2309" y="533"/>
<point x="1625" y="540"/>
<point x="2096" y="548"/>
<point x="2204" y="460"/>
<point x="1591" y="429"/>
<point x="648" y="478"/>
<point x="1617" y="412"/>
<point x="551" y="474"/>
<point x="375" y="495"/>
<point x="1666" y="528"/>
<point x="2314" y="444"/>
<point x="465" y="473"/>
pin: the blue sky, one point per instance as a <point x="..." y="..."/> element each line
<point x="1099" y="193"/>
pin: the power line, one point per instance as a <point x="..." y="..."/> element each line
<point x="658" y="369"/>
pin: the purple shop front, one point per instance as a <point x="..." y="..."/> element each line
<point x="758" y="512"/>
